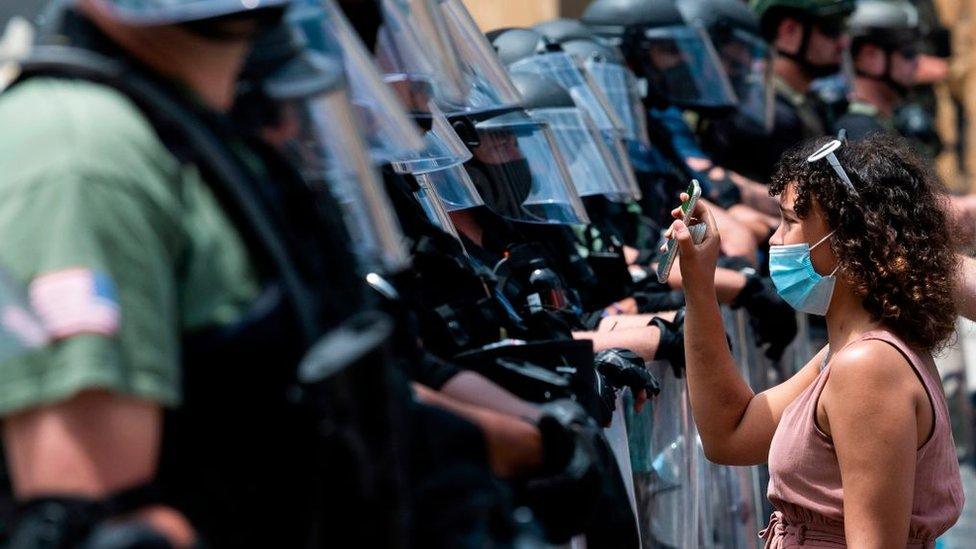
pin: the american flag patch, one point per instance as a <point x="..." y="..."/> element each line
<point x="75" y="301"/>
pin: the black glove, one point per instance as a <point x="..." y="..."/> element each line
<point x="771" y="318"/>
<point x="565" y="494"/>
<point x="623" y="368"/>
<point x="607" y="393"/>
<point x="671" y="347"/>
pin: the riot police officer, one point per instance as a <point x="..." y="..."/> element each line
<point x="678" y="63"/>
<point x="809" y="38"/>
<point x="884" y="49"/>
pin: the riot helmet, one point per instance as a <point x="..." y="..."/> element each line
<point x="415" y="51"/>
<point x="171" y="12"/>
<point x="527" y="51"/>
<point x="520" y="173"/>
<point x="591" y="165"/>
<point x="389" y="132"/>
<point x="563" y="29"/>
<point x="677" y="60"/>
<point x="606" y="66"/>
<point x="893" y="27"/>
<point x="828" y="16"/>
<point x="745" y="55"/>
<point x="489" y="90"/>
<point x="318" y="131"/>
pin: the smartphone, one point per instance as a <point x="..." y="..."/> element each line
<point x="664" y="266"/>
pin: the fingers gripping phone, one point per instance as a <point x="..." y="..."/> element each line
<point x="697" y="231"/>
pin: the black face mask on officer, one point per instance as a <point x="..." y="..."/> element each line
<point x="504" y="186"/>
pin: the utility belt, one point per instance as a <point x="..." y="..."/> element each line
<point x="527" y="280"/>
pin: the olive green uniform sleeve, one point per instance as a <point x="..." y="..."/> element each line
<point x="85" y="187"/>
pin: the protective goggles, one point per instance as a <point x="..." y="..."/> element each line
<point x="831" y="27"/>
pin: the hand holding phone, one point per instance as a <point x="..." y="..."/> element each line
<point x="698" y="231"/>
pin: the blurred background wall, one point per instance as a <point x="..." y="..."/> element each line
<point x="492" y="14"/>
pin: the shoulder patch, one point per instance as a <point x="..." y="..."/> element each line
<point x="74" y="301"/>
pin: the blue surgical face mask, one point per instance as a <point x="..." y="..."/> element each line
<point x="796" y="280"/>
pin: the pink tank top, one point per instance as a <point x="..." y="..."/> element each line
<point x="805" y="483"/>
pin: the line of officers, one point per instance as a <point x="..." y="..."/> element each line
<point x="352" y="273"/>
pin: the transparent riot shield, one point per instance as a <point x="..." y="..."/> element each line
<point x="737" y="499"/>
<point x="662" y="445"/>
<point x="951" y="364"/>
<point x="616" y="435"/>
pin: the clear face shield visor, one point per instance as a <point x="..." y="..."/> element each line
<point x="619" y="85"/>
<point x="487" y="86"/>
<point x="520" y="174"/>
<point x="565" y="69"/>
<point x="593" y="168"/>
<point x="748" y="62"/>
<point x="619" y="151"/>
<point x="681" y="63"/>
<point x="454" y="188"/>
<point x="389" y="132"/>
<point x="433" y="206"/>
<point x="442" y="148"/>
<point x="414" y="48"/>
<point x="320" y="134"/>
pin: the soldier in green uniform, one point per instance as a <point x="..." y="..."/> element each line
<point x="809" y="37"/>
<point x="182" y="271"/>
<point x="884" y="42"/>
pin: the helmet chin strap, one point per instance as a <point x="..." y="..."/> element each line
<point x="885" y="77"/>
<point x="812" y="70"/>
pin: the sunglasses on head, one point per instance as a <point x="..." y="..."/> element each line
<point x="827" y="152"/>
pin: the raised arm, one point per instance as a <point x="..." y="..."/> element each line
<point x="735" y="424"/>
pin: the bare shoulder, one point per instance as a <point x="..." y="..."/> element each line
<point x="870" y="377"/>
<point x="870" y="365"/>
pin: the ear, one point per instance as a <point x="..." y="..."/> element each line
<point x="789" y="35"/>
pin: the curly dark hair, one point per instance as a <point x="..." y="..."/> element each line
<point x="892" y="240"/>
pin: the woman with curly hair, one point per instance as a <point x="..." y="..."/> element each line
<point x="858" y="442"/>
